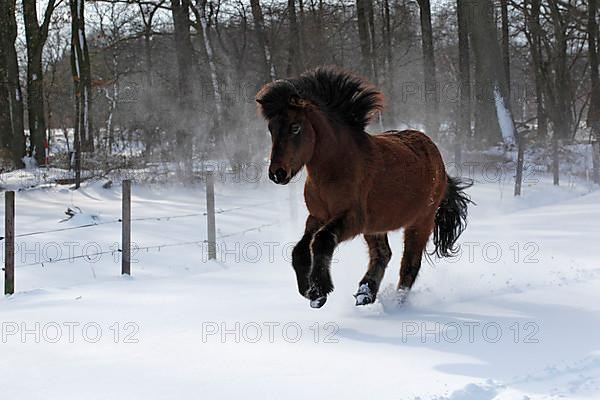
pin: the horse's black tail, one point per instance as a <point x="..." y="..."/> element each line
<point x="451" y="218"/>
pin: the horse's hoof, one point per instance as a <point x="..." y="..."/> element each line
<point x="364" y="295"/>
<point x="316" y="296"/>
<point x="318" y="302"/>
<point x="403" y="293"/>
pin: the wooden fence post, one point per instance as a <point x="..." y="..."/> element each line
<point x="596" y="161"/>
<point x="210" y="215"/>
<point x="9" y="242"/>
<point x="126" y="229"/>
<point x="520" y="163"/>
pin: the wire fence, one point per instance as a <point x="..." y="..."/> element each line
<point x="157" y="218"/>
<point x="10" y="236"/>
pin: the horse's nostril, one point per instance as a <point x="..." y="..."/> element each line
<point x="280" y="175"/>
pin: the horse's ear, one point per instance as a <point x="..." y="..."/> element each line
<point x="296" y="101"/>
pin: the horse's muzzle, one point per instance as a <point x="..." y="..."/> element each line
<point x="280" y="176"/>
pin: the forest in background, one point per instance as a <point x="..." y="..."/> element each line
<point x="131" y="82"/>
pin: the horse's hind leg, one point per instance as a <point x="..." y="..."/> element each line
<point x="380" y="255"/>
<point x="415" y="241"/>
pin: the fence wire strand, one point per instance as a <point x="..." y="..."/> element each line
<point x="157" y="218"/>
<point x="157" y="247"/>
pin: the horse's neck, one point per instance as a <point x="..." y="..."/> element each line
<point x="337" y="154"/>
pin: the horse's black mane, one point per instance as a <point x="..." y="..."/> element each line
<point x="339" y="93"/>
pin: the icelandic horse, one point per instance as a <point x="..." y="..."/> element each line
<point x="357" y="183"/>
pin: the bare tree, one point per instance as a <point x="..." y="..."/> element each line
<point x="36" y="35"/>
<point x="594" y="109"/>
<point x="294" y="41"/>
<point x="201" y="15"/>
<point x="430" y="90"/>
<point x="263" y="42"/>
<point x="505" y="40"/>
<point x="464" y="79"/>
<point x="533" y="32"/>
<point x="147" y="14"/>
<point x="184" y="52"/>
<point x="11" y="99"/>
<point x="82" y="82"/>
<point x="364" y="12"/>
<point x="387" y="45"/>
<point x="494" y="120"/>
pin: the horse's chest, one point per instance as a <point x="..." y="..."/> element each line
<point x="328" y="202"/>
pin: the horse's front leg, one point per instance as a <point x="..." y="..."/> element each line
<point x="301" y="258"/>
<point x="323" y="244"/>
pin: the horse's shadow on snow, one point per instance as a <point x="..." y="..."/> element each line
<point x="523" y="345"/>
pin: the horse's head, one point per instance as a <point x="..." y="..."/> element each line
<point x="292" y="134"/>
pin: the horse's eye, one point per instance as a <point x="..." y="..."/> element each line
<point x="296" y="129"/>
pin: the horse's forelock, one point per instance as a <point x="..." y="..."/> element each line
<point x="274" y="97"/>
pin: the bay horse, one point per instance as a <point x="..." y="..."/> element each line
<point x="357" y="183"/>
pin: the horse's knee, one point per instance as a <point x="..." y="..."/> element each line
<point x="323" y="243"/>
<point x="301" y="255"/>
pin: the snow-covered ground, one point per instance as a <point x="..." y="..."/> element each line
<point x="515" y="316"/>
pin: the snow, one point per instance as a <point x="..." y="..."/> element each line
<point x="504" y="118"/>
<point x="515" y="316"/>
<point x="29" y="162"/>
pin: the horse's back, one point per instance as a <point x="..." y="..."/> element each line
<point x="409" y="180"/>
<point x="414" y="140"/>
<point x="409" y="150"/>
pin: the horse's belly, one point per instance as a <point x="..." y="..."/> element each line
<point x="386" y="223"/>
<point x="395" y="208"/>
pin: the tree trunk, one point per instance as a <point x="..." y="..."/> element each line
<point x="430" y="91"/>
<point x="147" y="13"/>
<point x="493" y="117"/>
<point x="35" y="37"/>
<point x="263" y="42"/>
<point x="533" y="33"/>
<point x="364" y="35"/>
<point x="520" y="164"/>
<point x="594" y="109"/>
<point x="184" y="53"/>
<point x="302" y="35"/>
<point x="82" y="76"/>
<point x="388" y="60"/>
<point x="464" y="80"/>
<point x="294" y="41"/>
<point x="555" y="159"/>
<point x="596" y="161"/>
<point x="16" y="101"/>
<point x="372" y="44"/>
<point x="560" y="103"/>
<point x="212" y="66"/>
<point x="505" y="42"/>
<point x="387" y="44"/>
<point x="5" y="95"/>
